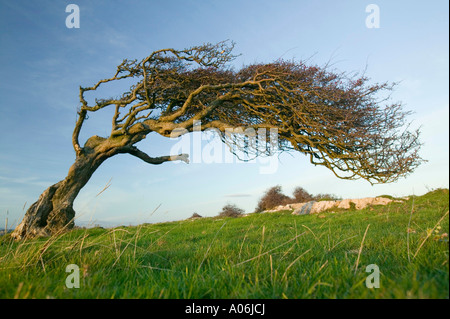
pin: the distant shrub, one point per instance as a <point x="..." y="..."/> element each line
<point x="272" y="197"/>
<point x="231" y="210"/>
<point x="195" y="215"/>
<point x="301" y="195"/>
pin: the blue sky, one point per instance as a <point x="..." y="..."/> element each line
<point x="42" y="64"/>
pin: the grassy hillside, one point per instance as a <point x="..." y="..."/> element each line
<point x="271" y="255"/>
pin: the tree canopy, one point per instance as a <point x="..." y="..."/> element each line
<point x="340" y="121"/>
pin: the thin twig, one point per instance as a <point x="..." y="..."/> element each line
<point x="321" y="267"/>
<point x="360" y="248"/>
<point x="318" y="240"/>
<point x="344" y="240"/>
<point x="243" y="240"/>
<point x="284" y="277"/>
<point x="429" y="234"/>
<point x="106" y="187"/>
<point x="207" y="251"/>
<point x="408" y="230"/>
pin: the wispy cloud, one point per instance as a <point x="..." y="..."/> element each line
<point x="239" y="195"/>
<point x="25" y="180"/>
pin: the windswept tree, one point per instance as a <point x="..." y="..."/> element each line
<point x="340" y="121"/>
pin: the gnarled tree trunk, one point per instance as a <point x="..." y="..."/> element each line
<point x="53" y="211"/>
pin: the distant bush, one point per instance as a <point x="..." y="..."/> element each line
<point x="301" y="195"/>
<point x="272" y="197"/>
<point x="195" y="215"/>
<point x="231" y="210"/>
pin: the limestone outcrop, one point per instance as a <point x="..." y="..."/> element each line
<point x="314" y="207"/>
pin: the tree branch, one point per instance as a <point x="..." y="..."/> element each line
<point x="157" y="160"/>
<point x="76" y="132"/>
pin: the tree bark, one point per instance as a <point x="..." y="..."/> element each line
<point x="53" y="212"/>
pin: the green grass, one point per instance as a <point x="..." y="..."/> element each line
<point x="271" y="255"/>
